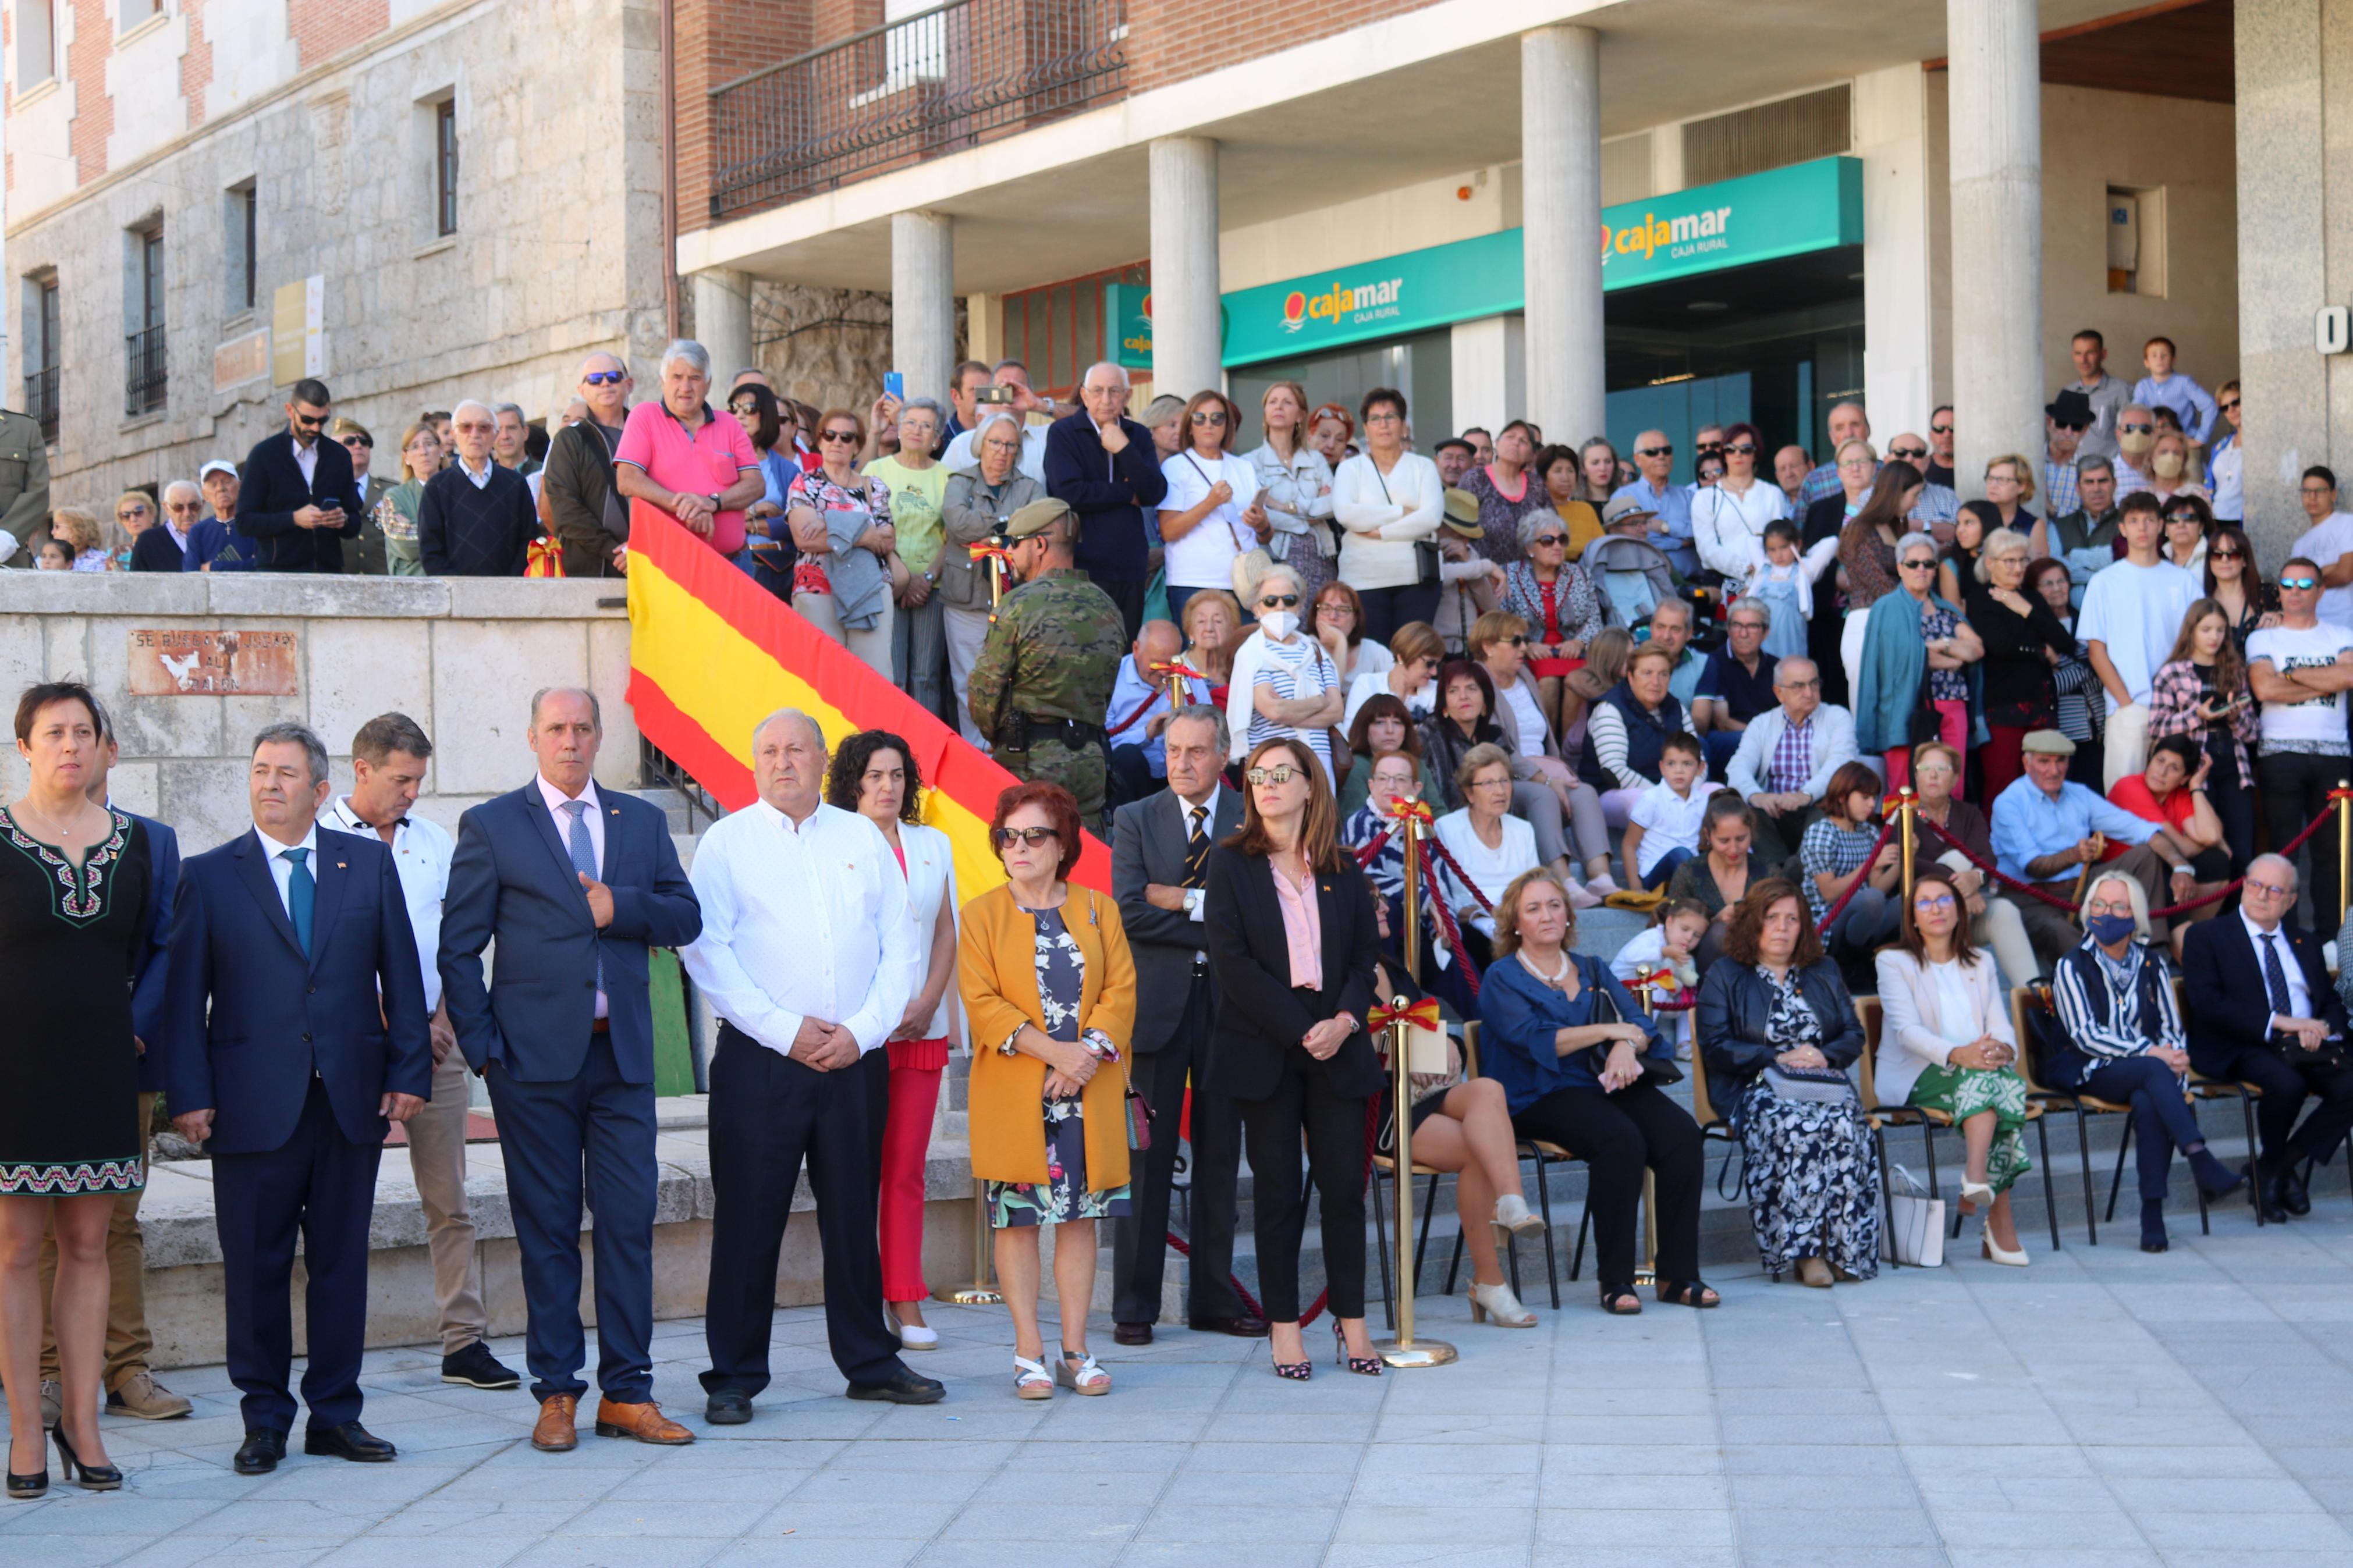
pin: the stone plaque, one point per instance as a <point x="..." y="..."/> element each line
<point x="241" y="360"/>
<point x="212" y="663"/>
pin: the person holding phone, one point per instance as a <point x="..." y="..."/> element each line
<point x="2201" y="692"/>
<point x="1211" y="515"/>
<point x="298" y="501"/>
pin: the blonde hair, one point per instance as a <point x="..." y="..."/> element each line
<point x="421" y="427"/>
<point x="80" y="530"/>
<point x="1607" y="656"/>
<point x="1507" y="910"/>
<point x="2000" y="541"/>
<point x="2022" y="468"/>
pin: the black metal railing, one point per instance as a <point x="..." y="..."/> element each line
<point x="144" y="382"/>
<point x="659" y="770"/>
<point x="41" y="400"/>
<point x="963" y="74"/>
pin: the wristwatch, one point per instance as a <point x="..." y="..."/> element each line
<point x="1192" y="900"/>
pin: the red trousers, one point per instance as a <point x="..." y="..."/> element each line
<point x="1953" y="730"/>
<point x="2004" y="760"/>
<point x="915" y="1069"/>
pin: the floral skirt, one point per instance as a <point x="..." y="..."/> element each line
<point x="1964" y="1092"/>
<point x="1064" y="1195"/>
<point x="1812" y="1175"/>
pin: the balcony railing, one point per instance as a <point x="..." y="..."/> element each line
<point x="144" y="382"/>
<point x="895" y="95"/>
<point x="41" y="400"/>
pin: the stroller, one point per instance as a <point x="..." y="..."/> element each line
<point x="1634" y="577"/>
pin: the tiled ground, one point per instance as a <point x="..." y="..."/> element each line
<point x="2102" y="1409"/>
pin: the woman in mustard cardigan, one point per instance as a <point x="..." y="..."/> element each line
<point x="1049" y="988"/>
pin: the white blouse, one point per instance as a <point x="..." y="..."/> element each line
<point x="1204" y="558"/>
<point x="1729" y="530"/>
<point x="930" y="879"/>
<point x="1382" y="515"/>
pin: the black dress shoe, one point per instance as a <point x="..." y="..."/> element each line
<point x="476" y="1367"/>
<point x="259" y="1453"/>
<point x="902" y="1387"/>
<point x="349" y="1441"/>
<point x="2271" y="1198"/>
<point x="728" y="1408"/>
<point x="1242" y="1326"/>
<point x="1131" y="1333"/>
<point x="2293" y="1196"/>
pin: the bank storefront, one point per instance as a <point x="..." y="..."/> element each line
<point x="1736" y="300"/>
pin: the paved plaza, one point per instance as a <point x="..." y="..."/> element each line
<point x="2101" y="1409"/>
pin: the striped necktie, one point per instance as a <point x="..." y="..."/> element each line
<point x="1197" y="848"/>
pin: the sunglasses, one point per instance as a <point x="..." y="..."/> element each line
<point x="1920" y="565"/>
<point x="1007" y="838"/>
<point x="1282" y="776"/>
<point x="2224" y="555"/>
<point x="1209" y="416"/>
<point x="850" y="435"/>
<point x="1940" y="429"/>
<point x="2230" y="408"/>
<point x="1520" y="641"/>
<point x="1705" y="447"/>
<point x="2304" y="584"/>
<point x="309" y="421"/>
<point x="357" y="442"/>
<point x="1654" y="451"/>
<point x="2077" y="425"/>
<point x="1745" y="448"/>
<point x="1549" y="539"/>
<point x="1279" y="601"/>
<point x="1907" y="454"/>
<point x="605" y="377"/>
<point x="2137" y="429"/>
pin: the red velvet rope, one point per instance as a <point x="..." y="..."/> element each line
<point x="1830" y="915"/>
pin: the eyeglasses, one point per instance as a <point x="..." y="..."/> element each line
<point x="1277" y="776"/>
<point x="1654" y="451"/>
<point x="1386" y="417"/>
<point x="1033" y="836"/>
<point x="1279" y="601"/>
<point x="1906" y="454"/>
<point x="605" y="377"/>
<point x="1940" y="429"/>
<point x="1941" y="901"/>
<point x="850" y="435"/>
<point x="2303" y="585"/>
<point x="2137" y="429"/>
<point x="1209" y="416"/>
<point x="1548" y="539"/>
<point x="2323" y="491"/>
<point x="2269" y="890"/>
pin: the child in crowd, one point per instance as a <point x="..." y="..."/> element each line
<point x="1779" y="583"/>
<point x="55" y="555"/>
<point x="1665" y="949"/>
<point x="1662" y="828"/>
<point x="2163" y="389"/>
<point x="82" y="532"/>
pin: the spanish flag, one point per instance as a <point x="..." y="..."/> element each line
<point x="711" y="653"/>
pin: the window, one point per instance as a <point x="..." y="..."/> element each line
<point x="444" y="166"/>
<point x="1057" y="331"/>
<point x="244" y="268"/>
<point x="145" y="381"/>
<point x="130" y="13"/>
<point x="44" y="348"/>
<point x="37" y="43"/>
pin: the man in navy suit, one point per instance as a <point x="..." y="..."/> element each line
<point x="280" y="1055"/>
<point x="298" y="501"/>
<point x="575" y="884"/>
<point x="2291" y="1044"/>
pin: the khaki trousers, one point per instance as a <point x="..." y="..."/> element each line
<point x="968" y="629"/>
<point x="437" y="1162"/>
<point x="128" y="1342"/>
<point x="2124" y="751"/>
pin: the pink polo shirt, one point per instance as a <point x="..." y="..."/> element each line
<point x="700" y="462"/>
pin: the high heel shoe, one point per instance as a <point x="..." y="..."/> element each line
<point x="1296" y="1371"/>
<point x="32" y="1486"/>
<point x="1362" y="1365"/>
<point x="1495" y="1302"/>
<point x="1980" y="1193"/>
<point x="1993" y="1254"/>
<point x="89" y="1477"/>
<point x="1512" y="1217"/>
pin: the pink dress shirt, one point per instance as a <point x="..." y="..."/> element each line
<point x="1303" y="929"/>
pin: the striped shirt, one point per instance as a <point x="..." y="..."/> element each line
<point x="2112" y="1028"/>
<point x="1296" y="668"/>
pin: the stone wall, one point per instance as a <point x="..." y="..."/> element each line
<point x="461" y="656"/>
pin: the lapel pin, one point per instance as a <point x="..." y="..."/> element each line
<point x="341" y="867"/>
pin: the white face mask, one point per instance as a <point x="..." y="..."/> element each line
<point x="1279" y="624"/>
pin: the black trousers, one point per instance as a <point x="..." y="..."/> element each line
<point x="767" y="1111"/>
<point x="2295" y="788"/>
<point x="1386" y="609"/>
<point x="1139" y="1242"/>
<point x="321" y="1185"/>
<point x="2162" y="1122"/>
<point x="1129" y="598"/>
<point x="2233" y="799"/>
<point x="2287" y="1082"/>
<point x="1334" y="1130"/>
<point x="876" y="1065"/>
<point x="1619" y="1136"/>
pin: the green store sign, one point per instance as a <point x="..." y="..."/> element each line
<point x="1733" y="223"/>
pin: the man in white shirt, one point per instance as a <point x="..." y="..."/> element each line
<point x="2300" y="671"/>
<point x="2329" y="540"/>
<point x="388" y="758"/>
<point x="809" y="958"/>
<point x="2132" y="614"/>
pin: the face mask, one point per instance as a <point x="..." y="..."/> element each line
<point x="1279" y="624"/>
<point x="2166" y="464"/>
<point x="2135" y="440"/>
<point x="2109" y="929"/>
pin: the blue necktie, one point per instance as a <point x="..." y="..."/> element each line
<point x="583" y="860"/>
<point x="301" y="895"/>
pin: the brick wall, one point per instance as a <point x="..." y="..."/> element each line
<point x="718" y="41"/>
<point x="325" y="28"/>
<point x="1170" y="40"/>
<point x="85" y="66"/>
<point x="197" y="65"/>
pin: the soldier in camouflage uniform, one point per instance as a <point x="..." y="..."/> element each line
<point x="1042" y="682"/>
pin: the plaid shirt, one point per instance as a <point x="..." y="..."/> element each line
<point x="2174" y="694"/>
<point x="1792" y="762"/>
<point x="1830" y="850"/>
<point x="2060" y="495"/>
<point x="1823" y="482"/>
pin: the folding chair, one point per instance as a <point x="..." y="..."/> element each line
<point x="2214" y="1088"/>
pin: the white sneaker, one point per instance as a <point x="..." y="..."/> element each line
<point x="911" y="1336"/>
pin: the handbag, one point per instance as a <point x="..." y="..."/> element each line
<point x="1139" y="1119"/>
<point x="1810" y="1086"/>
<point x="1425" y="551"/>
<point x="1916" y="1234"/>
<point x="1656" y="1072"/>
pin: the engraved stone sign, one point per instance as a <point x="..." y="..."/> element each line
<point x="212" y="663"/>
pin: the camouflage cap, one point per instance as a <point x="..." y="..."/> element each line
<point x="1036" y="517"/>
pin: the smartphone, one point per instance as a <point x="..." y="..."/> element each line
<point x="894" y="385"/>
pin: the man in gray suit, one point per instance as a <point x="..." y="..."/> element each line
<point x="1159" y="861"/>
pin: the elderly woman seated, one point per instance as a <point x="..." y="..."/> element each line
<point x="2120" y="1039"/>
<point x="1946" y="1044"/>
<point x="1489" y="847"/>
<point x="1777" y="1033"/>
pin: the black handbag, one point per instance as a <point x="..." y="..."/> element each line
<point x="1425" y="551"/>
<point x="1656" y="1072"/>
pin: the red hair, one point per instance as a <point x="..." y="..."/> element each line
<point x="1062" y="814"/>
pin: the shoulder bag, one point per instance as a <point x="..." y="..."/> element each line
<point x="1250" y="563"/>
<point x="1657" y="1073"/>
<point x="1425" y="551"/>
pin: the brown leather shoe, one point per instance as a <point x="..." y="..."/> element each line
<point x="645" y="1422"/>
<point x="556" y="1432"/>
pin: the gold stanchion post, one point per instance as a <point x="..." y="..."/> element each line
<point x="980" y="1292"/>
<point x="1405" y="1350"/>
<point x="1411" y="827"/>
<point x="2343" y="851"/>
<point x="1907" y="802"/>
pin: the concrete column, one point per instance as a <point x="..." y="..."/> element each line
<point x="984" y="327"/>
<point x="1890" y="137"/>
<point x="1187" y="348"/>
<point x="1996" y="115"/>
<point x="1490" y="362"/>
<point x="923" y="301"/>
<point x="722" y="321"/>
<point x="1560" y="153"/>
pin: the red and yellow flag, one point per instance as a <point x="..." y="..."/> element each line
<point x="711" y="653"/>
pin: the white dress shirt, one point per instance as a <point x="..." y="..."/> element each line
<point x="803" y="922"/>
<point x="2300" y="994"/>
<point x="281" y="869"/>
<point x="306" y="457"/>
<point x="595" y="817"/>
<point x="930" y="879"/>
<point x="421" y="851"/>
<point x="481" y="481"/>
